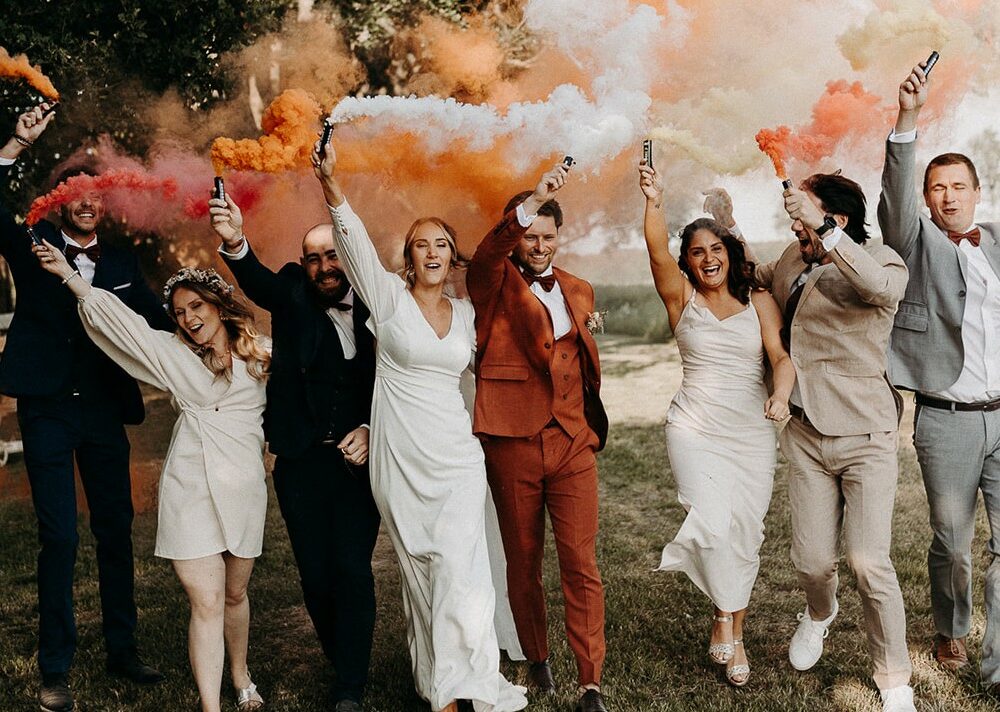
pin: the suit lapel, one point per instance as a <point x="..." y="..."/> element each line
<point x="991" y="248"/>
<point x="104" y="269"/>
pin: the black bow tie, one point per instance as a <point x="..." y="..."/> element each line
<point x="342" y="306"/>
<point x="547" y="282"/>
<point x="93" y="252"/>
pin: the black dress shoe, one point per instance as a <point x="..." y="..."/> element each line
<point x="540" y="678"/>
<point x="131" y="666"/>
<point x="54" y="694"/>
<point x="591" y="701"/>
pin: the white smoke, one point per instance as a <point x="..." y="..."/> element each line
<point x="610" y="41"/>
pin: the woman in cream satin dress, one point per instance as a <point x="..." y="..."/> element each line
<point x="720" y="438"/>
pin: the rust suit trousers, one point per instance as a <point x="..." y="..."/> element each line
<point x="553" y="471"/>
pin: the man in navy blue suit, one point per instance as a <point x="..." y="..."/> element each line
<point x="73" y="401"/>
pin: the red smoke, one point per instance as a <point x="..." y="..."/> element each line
<point x="78" y="186"/>
<point x="844" y="112"/>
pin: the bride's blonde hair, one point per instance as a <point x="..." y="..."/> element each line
<point x="449" y="235"/>
<point x="244" y="340"/>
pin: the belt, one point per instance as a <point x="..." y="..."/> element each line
<point x="797" y="413"/>
<point x="986" y="406"/>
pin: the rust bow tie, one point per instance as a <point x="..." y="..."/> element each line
<point x="93" y="252"/>
<point x="547" y="282"/>
<point x="972" y="236"/>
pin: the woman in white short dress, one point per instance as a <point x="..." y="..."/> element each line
<point x="212" y="495"/>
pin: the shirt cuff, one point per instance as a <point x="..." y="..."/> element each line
<point x="7" y="161"/>
<point x="524" y="219"/>
<point x="239" y="254"/>
<point x="833" y="239"/>
<point x="737" y="233"/>
<point x="365" y="426"/>
<point x="905" y="137"/>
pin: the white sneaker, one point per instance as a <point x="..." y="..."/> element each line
<point x="806" y="647"/>
<point x="898" y="699"/>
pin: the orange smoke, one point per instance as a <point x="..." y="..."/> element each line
<point x="290" y="126"/>
<point x="20" y="68"/>
<point x="845" y="112"/>
<point x="77" y="186"/>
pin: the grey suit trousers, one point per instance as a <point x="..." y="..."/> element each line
<point x="959" y="454"/>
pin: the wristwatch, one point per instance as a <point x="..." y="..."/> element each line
<point x="828" y="224"/>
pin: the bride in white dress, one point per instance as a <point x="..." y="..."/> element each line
<point x="719" y="439"/>
<point x="427" y="469"/>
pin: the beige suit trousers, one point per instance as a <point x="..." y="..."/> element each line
<point x="846" y="486"/>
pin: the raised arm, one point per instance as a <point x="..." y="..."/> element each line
<point x="486" y="268"/>
<point x="261" y="285"/>
<point x="30" y="126"/>
<point x="671" y="284"/>
<point x="880" y="282"/>
<point x="379" y="289"/>
<point x="117" y="330"/>
<point x="776" y="407"/>
<point x="719" y="205"/>
<point x="898" y="209"/>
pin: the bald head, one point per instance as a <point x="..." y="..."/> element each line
<point x="318" y="239"/>
<point x="321" y="263"/>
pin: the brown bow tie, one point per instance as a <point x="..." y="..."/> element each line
<point x="547" y="282"/>
<point x="93" y="252"/>
<point x="972" y="236"/>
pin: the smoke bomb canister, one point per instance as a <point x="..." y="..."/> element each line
<point x="647" y="152"/>
<point x="220" y="188"/>
<point x="327" y="133"/>
<point x="931" y="61"/>
<point x="33" y="235"/>
<point x="568" y="161"/>
<point x="786" y="184"/>
<point x="52" y="107"/>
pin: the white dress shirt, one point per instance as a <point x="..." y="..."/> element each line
<point x="343" y="320"/>
<point x="979" y="379"/>
<point x="553" y="301"/>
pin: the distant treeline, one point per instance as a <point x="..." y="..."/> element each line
<point x="633" y="310"/>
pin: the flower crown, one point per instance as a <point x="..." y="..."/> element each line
<point x="208" y="277"/>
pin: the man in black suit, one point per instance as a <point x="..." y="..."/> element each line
<point x="74" y="401"/>
<point x="319" y="398"/>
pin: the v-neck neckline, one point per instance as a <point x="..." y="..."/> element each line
<point x="714" y="315"/>
<point x="451" y="321"/>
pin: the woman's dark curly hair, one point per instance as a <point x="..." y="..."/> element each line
<point x="740" y="279"/>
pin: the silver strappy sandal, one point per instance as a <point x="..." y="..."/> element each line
<point x="738" y="675"/>
<point x="721" y="653"/>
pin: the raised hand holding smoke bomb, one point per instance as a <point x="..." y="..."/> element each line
<point x="30" y="125"/>
<point x="324" y="161"/>
<point x="913" y="95"/>
<point x="549" y="184"/>
<point x="226" y="217"/>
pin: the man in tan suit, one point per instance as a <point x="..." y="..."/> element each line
<point x="839" y="296"/>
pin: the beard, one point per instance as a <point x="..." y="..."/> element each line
<point x="327" y="297"/>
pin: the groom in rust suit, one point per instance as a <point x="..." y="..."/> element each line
<point x="541" y="421"/>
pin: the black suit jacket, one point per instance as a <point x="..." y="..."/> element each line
<point x="46" y="344"/>
<point x="300" y="396"/>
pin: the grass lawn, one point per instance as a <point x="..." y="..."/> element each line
<point x="657" y="624"/>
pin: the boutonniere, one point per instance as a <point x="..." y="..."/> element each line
<point x="595" y="321"/>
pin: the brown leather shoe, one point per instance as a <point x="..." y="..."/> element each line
<point x="591" y="701"/>
<point x="950" y="652"/>
<point x="540" y="678"/>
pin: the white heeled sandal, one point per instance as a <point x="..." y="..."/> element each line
<point x="721" y="653"/>
<point x="248" y="699"/>
<point x="738" y="675"/>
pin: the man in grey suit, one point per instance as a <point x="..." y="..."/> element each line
<point x="839" y="294"/>
<point x="946" y="346"/>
